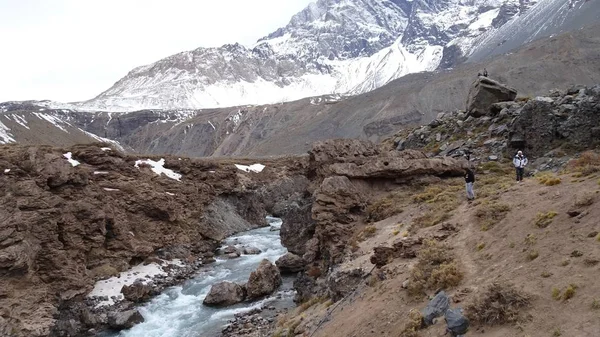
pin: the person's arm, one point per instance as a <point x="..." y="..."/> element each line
<point x="525" y="161"/>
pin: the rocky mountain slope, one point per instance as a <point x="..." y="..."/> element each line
<point x="71" y="218"/>
<point x="331" y="47"/>
<point x="558" y="62"/>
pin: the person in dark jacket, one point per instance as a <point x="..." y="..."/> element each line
<point x="470" y="180"/>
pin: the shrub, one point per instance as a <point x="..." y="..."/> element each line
<point x="532" y="255"/>
<point x="543" y="220"/>
<point x="385" y="207"/>
<point x="546" y="274"/>
<point x="488" y="215"/>
<point x="569" y="292"/>
<point x="414" y="324"/>
<point x="557" y="332"/>
<point x="548" y="179"/>
<point x="565" y="263"/>
<point x="556" y="293"/>
<point x="595" y="304"/>
<point x="428" y="195"/>
<point x="587" y="164"/>
<point x="435" y="269"/>
<point x="500" y="304"/>
<point x="530" y="240"/>
<point x="395" y="232"/>
<point x="480" y="246"/>
<point x="369" y="231"/>
<point x="583" y="200"/>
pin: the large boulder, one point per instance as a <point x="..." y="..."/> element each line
<point x="264" y="280"/>
<point x="298" y="226"/>
<point x="485" y="92"/>
<point x="290" y="263"/>
<point x="137" y="292"/>
<point x="124" y="319"/>
<point x="224" y="293"/>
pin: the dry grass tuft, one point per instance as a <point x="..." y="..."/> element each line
<point x="500" y="304"/>
<point x="587" y="164"/>
<point x="441" y="201"/>
<point x="369" y="231"/>
<point x="543" y="220"/>
<point x="530" y="240"/>
<point x="548" y="179"/>
<point x="436" y="268"/>
<point x="414" y="324"/>
<point x="480" y="246"/>
<point x="532" y="255"/>
<point x="595" y="304"/>
<point x="489" y="214"/>
<point x="556" y="293"/>
<point x="386" y="207"/>
<point x="585" y="199"/>
<point x="569" y="292"/>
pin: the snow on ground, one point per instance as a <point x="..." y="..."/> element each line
<point x="100" y="172"/>
<point x="252" y="168"/>
<point x="112" y="286"/>
<point x="169" y="193"/>
<point x="6" y="170"/>
<point x="158" y="168"/>
<point x="5" y="136"/>
<point x="111" y="189"/>
<point x="20" y="120"/>
<point x="105" y="149"/>
<point x="70" y="159"/>
<point x="52" y="120"/>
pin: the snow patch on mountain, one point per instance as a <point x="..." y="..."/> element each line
<point x="331" y="47"/>
<point x="5" y="135"/>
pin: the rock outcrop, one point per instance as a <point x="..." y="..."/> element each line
<point x="125" y="319"/>
<point x="484" y="92"/>
<point x="290" y="263"/>
<point x="263" y="281"/>
<point x="225" y="293"/>
<point x="137" y="292"/>
<point x="338" y="204"/>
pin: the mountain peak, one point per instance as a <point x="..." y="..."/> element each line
<point x="330" y="47"/>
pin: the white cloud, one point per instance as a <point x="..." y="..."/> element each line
<point x="71" y="50"/>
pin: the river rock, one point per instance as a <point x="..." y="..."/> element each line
<point x="224" y="293"/>
<point x="485" y="92"/>
<point x="137" y="292"/>
<point x="290" y="263"/>
<point x="251" y="251"/>
<point x="124" y="319"/>
<point x="264" y="280"/>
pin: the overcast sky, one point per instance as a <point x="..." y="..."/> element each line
<point x="71" y="50"/>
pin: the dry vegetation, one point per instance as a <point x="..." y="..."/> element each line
<point x="543" y="220"/>
<point x="436" y="268"/>
<point x="441" y="201"/>
<point x="548" y="179"/>
<point x="489" y="214"/>
<point x="585" y="199"/>
<point x="414" y="324"/>
<point x="500" y="304"/>
<point x="386" y="207"/>
<point x="587" y="164"/>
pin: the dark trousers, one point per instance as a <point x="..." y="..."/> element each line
<point x="520" y="171"/>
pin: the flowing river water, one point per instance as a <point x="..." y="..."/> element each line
<point x="179" y="312"/>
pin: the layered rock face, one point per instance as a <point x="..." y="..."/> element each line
<point x="65" y="223"/>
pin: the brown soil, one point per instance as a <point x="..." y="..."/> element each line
<point x="502" y="254"/>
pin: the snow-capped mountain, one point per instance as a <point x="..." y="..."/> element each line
<point x="332" y="46"/>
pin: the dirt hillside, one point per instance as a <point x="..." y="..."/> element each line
<point x="540" y="241"/>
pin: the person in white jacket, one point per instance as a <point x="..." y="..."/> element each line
<point x="520" y="161"/>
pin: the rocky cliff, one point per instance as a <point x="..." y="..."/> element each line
<point x="70" y="218"/>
